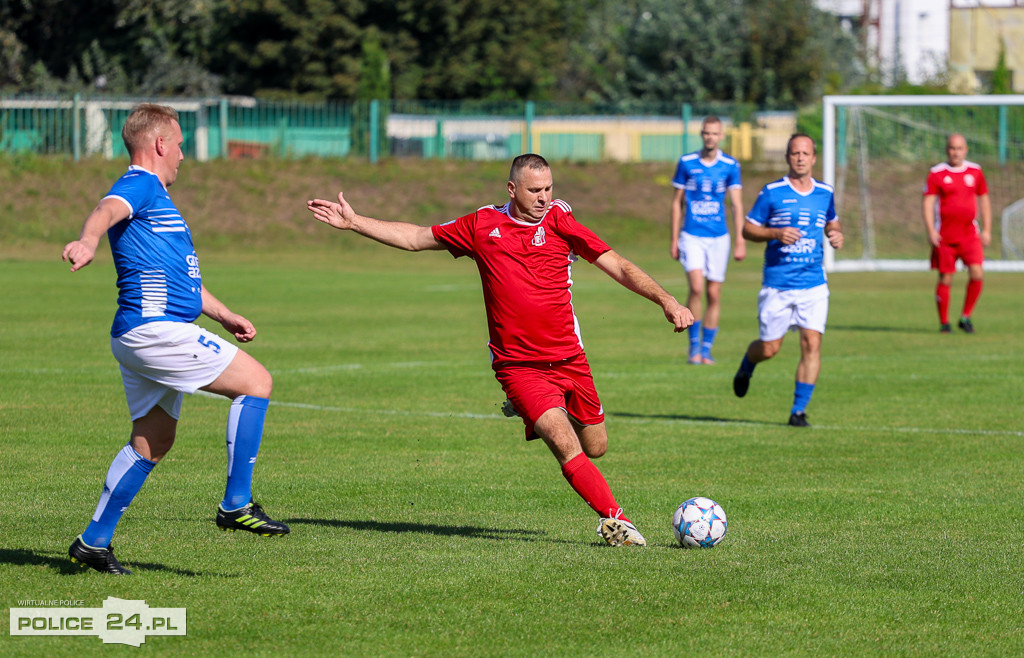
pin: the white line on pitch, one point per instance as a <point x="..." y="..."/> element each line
<point x="631" y="421"/>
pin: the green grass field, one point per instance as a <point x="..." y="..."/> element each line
<point x="422" y="523"/>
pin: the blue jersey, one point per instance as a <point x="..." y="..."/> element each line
<point x="157" y="268"/>
<point x="705" y="186"/>
<point x="800" y="265"/>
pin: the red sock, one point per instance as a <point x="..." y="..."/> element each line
<point x="973" y="292"/>
<point x="942" y="299"/>
<point x="588" y="482"/>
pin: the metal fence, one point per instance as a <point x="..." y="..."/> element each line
<point x="234" y="127"/>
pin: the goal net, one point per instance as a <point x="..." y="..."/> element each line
<point x="877" y="151"/>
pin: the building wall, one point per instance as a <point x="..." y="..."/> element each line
<point x="903" y="39"/>
<point x="920" y="40"/>
<point x="975" y="38"/>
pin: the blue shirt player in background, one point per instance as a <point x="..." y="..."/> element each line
<point x="161" y="352"/>
<point x="701" y="243"/>
<point x="794" y="216"/>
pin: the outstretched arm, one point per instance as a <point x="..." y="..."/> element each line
<point x="401" y="235"/>
<point x="640" y="282"/>
<point x="80" y="252"/>
<point x="240" y="328"/>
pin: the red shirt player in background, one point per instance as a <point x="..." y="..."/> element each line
<point x="524" y="251"/>
<point x="957" y="187"/>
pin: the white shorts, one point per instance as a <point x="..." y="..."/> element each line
<point x="778" y="311"/>
<point x="709" y="255"/>
<point x="160" y="361"/>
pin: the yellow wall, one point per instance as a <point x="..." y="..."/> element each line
<point x="974" y="41"/>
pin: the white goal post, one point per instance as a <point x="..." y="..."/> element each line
<point x="876" y="153"/>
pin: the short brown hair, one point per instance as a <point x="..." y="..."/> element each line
<point x="145" y="119"/>
<point x="524" y="161"/>
<point x="789" y="144"/>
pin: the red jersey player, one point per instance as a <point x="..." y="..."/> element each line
<point x="958" y="188"/>
<point x="524" y="251"/>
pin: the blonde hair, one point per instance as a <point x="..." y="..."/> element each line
<point x="144" y="121"/>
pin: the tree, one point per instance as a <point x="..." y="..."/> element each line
<point x="292" y="49"/>
<point x="615" y="51"/>
<point x="374" y="70"/>
<point x="1001" y="75"/>
<point x="663" y="50"/>
<point x="793" y="49"/>
<point x="486" y="49"/>
<point x="124" y="46"/>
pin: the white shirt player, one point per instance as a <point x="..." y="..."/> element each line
<point x="158" y="276"/>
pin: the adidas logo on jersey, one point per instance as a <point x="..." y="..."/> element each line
<point x="495" y="233"/>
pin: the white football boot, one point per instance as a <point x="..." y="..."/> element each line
<point x="618" y="532"/>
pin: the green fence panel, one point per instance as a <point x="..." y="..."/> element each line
<point x="233" y="127"/>
<point x="659" y="148"/>
<point x="572" y="146"/>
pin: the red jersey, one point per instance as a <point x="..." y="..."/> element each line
<point x="526" y="273"/>
<point x="957" y="190"/>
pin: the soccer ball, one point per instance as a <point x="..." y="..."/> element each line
<point x="699" y="523"/>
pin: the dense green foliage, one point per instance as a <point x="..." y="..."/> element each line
<point x="757" y="51"/>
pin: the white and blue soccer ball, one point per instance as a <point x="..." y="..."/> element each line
<point x="699" y="523"/>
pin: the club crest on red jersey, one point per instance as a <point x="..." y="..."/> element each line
<point x="538" y="237"/>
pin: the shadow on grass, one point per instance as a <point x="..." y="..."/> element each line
<point x="895" y="330"/>
<point x="698" y="419"/>
<point x="64" y="565"/>
<point x="426" y="529"/>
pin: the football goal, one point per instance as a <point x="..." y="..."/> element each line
<point x="876" y="153"/>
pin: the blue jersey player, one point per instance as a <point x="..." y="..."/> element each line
<point x="700" y="232"/>
<point x="161" y="352"/>
<point x="794" y="216"/>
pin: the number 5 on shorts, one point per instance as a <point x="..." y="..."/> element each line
<point x="209" y="344"/>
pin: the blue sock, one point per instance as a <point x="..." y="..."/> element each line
<point x="708" y="341"/>
<point x="801" y="397"/>
<point x="245" y="430"/>
<point x="747" y="366"/>
<point x="124" y="479"/>
<point x="695" y="339"/>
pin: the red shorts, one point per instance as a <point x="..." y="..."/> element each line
<point x="535" y="388"/>
<point x="969" y="250"/>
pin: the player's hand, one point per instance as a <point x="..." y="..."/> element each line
<point x="240" y="328"/>
<point x="789" y="235"/>
<point x="934" y="238"/>
<point x="739" y="252"/>
<point x="986" y="238"/>
<point x="835" y="238"/>
<point x="78" y="254"/>
<point x="674" y="251"/>
<point x="680" y="316"/>
<point x="339" y="215"/>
